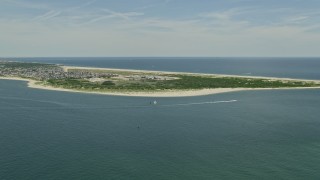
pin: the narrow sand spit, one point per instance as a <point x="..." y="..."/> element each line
<point x="173" y="93"/>
<point x="66" y="68"/>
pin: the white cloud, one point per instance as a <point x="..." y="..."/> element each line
<point x="48" y="15"/>
<point x="131" y="33"/>
<point x="297" y="18"/>
<point x="126" y="15"/>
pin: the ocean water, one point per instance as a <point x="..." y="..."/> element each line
<point x="272" y="134"/>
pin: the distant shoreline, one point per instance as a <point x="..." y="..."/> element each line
<point x="66" y="68"/>
<point x="165" y="93"/>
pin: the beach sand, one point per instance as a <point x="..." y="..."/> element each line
<point x="173" y="93"/>
<point x="66" y="68"/>
<point x="169" y="93"/>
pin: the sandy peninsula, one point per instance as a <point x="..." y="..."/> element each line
<point x="66" y="68"/>
<point x="162" y="93"/>
<point x="176" y="93"/>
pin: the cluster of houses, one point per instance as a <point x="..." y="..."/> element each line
<point x="46" y="72"/>
<point x="146" y="77"/>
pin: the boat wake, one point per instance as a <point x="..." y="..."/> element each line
<point x="65" y="106"/>
<point x="198" y="103"/>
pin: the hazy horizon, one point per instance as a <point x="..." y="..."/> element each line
<point x="160" y="57"/>
<point x="159" y="28"/>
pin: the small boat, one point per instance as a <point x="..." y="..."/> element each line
<point x="155" y="102"/>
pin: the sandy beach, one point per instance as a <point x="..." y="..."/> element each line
<point x="66" y="68"/>
<point x="173" y="93"/>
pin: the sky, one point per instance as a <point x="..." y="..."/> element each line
<point x="168" y="28"/>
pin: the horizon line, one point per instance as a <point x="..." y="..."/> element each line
<point x="160" y="57"/>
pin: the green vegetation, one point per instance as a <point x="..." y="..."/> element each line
<point x="79" y="84"/>
<point x="182" y="82"/>
<point x="111" y="71"/>
<point x="122" y="81"/>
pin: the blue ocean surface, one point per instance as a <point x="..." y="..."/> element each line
<point x="266" y="134"/>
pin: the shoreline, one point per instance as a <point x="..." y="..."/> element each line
<point x="173" y="93"/>
<point x="66" y="68"/>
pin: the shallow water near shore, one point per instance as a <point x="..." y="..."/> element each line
<point x="239" y="135"/>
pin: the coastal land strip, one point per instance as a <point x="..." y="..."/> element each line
<point x="151" y="78"/>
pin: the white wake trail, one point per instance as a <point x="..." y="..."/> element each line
<point x="64" y="106"/>
<point x="199" y="103"/>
